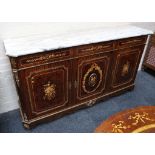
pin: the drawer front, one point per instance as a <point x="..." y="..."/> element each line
<point x="132" y="42"/>
<point x="95" y="48"/>
<point x="42" y="58"/>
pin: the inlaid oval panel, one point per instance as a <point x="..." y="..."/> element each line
<point x="92" y="79"/>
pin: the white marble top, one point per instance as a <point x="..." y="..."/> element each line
<point x="40" y="43"/>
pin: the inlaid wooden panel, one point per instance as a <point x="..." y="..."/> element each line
<point x="92" y="75"/>
<point x="46" y="88"/>
<point x="95" y="48"/>
<point x="132" y="42"/>
<point x="126" y="65"/>
<point x="40" y="58"/>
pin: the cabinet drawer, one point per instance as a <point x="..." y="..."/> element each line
<point x="132" y="42"/>
<point x="42" y="58"/>
<point x="95" y="48"/>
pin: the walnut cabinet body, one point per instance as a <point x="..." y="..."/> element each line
<point x="53" y="83"/>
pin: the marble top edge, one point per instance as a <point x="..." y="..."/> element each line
<point x="41" y="43"/>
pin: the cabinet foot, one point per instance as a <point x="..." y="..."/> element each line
<point x="91" y="103"/>
<point x="27" y="126"/>
<point x="131" y="89"/>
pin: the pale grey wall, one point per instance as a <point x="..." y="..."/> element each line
<point x="146" y="25"/>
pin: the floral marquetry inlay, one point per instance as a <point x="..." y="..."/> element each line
<point x="136" y="118"/>
<point x="119" y="127"/>
<point x="125" y="69"/>
<point x="49" y="91"/>
<point x="44" y="58"/>
<point x="94" y="48"/>
<point x="140" y="118"/>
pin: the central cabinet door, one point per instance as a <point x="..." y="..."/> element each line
<point x="92" y="75"/>
<point x="48" y="88"/>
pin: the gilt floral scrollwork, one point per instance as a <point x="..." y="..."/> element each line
<point x="119" y="127"/>
<point x="125" y="69"/>
<point x="140" y="118"/>
<point x="49" y="91"/>
<point x="135" y="119"/>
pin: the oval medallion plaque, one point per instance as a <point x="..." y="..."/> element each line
<point x="92" y="79"/>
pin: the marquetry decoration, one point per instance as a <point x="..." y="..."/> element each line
<point x="49" y="91"/>
<point x="39" y="59"/>
<point x="95" y="48"/>
<point x="132" y="41"/>
<point x="45" y="58"/>
<point x="125" y="69"/>
<point x="119" y="127"/>
<point x="136" y="118"/>
<point x="92" y="78"/>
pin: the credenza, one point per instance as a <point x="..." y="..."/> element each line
<point x="53" y="83"/>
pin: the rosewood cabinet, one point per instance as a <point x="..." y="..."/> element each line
<point x="54" y="83"/>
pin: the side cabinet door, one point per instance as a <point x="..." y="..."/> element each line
<point x="46" y="89"/>
<point x="126" y="66"/>
<point x="92" y="75"/>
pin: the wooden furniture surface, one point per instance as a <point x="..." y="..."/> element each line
<point x="54" y="83"/>
<point x="136" y="120"/>
<point x="149" y="60"/>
